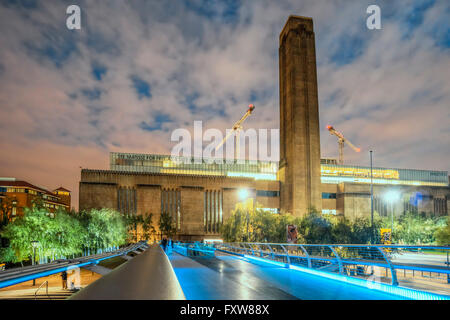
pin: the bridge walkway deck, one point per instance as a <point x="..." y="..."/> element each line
<point x="230" y="277"/>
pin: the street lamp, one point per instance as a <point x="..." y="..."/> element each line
<point x="371" y="199"/>
<point x="34" y="244"/>
<point x="391" y="197"/>
<point x="243" y="194"/>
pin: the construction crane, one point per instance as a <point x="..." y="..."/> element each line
<point x="237" y="127"/>
<point x="341" y="141"/>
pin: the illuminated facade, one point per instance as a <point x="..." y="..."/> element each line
<point x="357" y="174"/>
<point x="153" y="163"/>
<point x="15" y="195"/>
<point x="331" y="172"/>
<point x="199" y="195"/>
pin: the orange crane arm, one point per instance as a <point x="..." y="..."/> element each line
<point x="237" y="126"/>
<point x="341" y="141"/>
<point x="352" y="146"/>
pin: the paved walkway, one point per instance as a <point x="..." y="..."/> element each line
<point x="26" y="290"/>
<point x="230" y="277"/>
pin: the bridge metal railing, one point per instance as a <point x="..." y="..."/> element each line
<point x="46" y="289"/>
<point x="194" y="249"/>
<point x="14" y="276"/>
<point x="419" y="267"/>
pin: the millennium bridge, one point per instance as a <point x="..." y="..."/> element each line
<point x="243" y="271"/>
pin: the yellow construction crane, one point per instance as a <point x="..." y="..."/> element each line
<point x="341" y="141"/>
<point x="237" y="127"/>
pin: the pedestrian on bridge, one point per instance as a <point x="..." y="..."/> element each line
<point x="64" y="279"/>
<point x="164" y="243"/>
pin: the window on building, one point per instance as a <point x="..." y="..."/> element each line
<point x="171" y="204"/>
<point x="213" y="210"/>
<point x="380" y="206"/>
<point x="440" y="206"/>
<point x="265" y="193"/>
<point x="326" y="195"/>
<point x="126" y="200"/>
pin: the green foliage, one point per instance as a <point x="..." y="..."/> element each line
<point x="34" y="225"/>
<point x="263" y="226"/>
<point x="105" y="228"/>
<point x="147" y="227"/>
<point x="62" y="234"/>
<point x="414" y="228"/>
<point x="8" y="255"/>
<point x="167" y="225"/>
<point x="315" y="228"/>
<point x="442" y="234"/>
<point x="132" y="221"/>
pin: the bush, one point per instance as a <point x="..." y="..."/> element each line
<point x="442" y="234"/>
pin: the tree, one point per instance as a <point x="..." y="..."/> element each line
<point x="34" y="225"/>
<point x="37" y="202"/>
<point x="341" y="230"/>
<point x="234" y="228"/>
<point x="442" y="234"/>
<point x="105" y="228"/>
<point x="316" y="228"/>
<point x="167" y="225"/>
<point x="263" y="226"/>
<point x="147" y="227"/>
<point x="362" y="231"/>
<point x="62" y="234"/>
<point x="132" y="222"/>
<point x="414" y="228"/>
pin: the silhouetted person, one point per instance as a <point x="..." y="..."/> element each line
<point x="64" y="279"/>
<point x="164" y="243"/>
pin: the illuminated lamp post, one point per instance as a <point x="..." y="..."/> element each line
<point x="371" y="200"/>
<point x="34" y="244"/>
<point x="391" y="197"/>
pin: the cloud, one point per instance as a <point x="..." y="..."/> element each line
<point x="138" y="70"/>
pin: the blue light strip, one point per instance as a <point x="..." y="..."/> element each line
<point x="185" y="250"/>
<point x="37" y="275"/>
<point x="399" y="291"/>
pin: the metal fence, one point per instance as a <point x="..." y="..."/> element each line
<point x="418" y="267"/>
<point x="14" y="276"/>
<point x="194" y="249"/>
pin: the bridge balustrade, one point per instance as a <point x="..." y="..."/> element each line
<point x="417" y="266"/>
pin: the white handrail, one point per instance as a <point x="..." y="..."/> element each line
<point x="46" y="283"/>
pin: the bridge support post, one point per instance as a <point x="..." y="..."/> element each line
<point x="271" y="252"/>
<point x="287" y="256"/>
<point x="394" y="280"/>
<point x="341" y="268"/>
<point x="308" y="258"/>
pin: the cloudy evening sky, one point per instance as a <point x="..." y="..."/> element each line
<point x="137" y="70"/>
